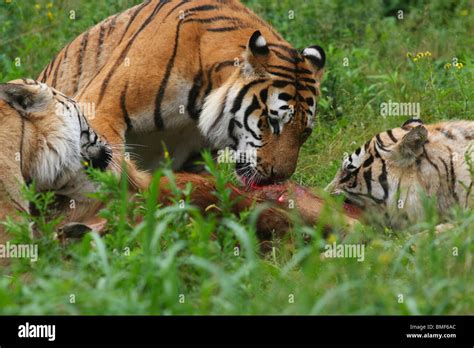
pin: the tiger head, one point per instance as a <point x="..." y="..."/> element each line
<point x="389" y="176"/>
<point x="265" y="111"/>
<point x="50" y="137"/>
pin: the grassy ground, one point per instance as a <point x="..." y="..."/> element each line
<point x="169" y="264"/>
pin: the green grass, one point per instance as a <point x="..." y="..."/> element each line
<point x="147" y="268"/>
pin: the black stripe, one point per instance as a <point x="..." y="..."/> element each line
<point x="80" y="59"/>
<point x="312" y="89"/>
<point x="284" y="96"/>
<point x="287" y="49"/>
<point x="292" y="70"/>
<point x="223" y="65"/>
<point x="368" y="161"/>
<point x="193" y="95"/>
<point x="274" y="124"/>
<point x="383" y="180"/>
<point x="183" y="2"/>
<point x="264" y="96"/>
<point x="251" y="108"/>
<point x="132" y="18"/>
<point x="201" y="8"/>
<point x="67" y="49"/>
<point x="391" y="136"/>
<point x="127" y="48"/>
<point x="368" y="180"/>
<point x="283" y="57"/>
<point x="223" y="29"/>
<point x="112" y="24"/>
<point x="281" y="83"/>
<point x="453" y="177"/>
<point x="209" y="86"/>
<point x="56" y="71"/>
<point x="213" y="19"/>
<point x="300" y="87"/>
<point x="377" y="154"/>
<point x="240" y="97"/>
<point x="447" y="133"/>
<point x="50" y="66"/>
<point x="161" y="92"/>
<point x="307" y="79"/>
<point x="100" y="42"/>
<point x="425" y="155"/>
<point x="45" y="73"/>
<point x="230" y="131"/>
<point x="123" y="106"/>
<point x="380" y="143"/>
<point x="445" y="168"/>
<point x="350" y="176"/>
<point x="250" y="143"/>
<point x="286" y="76"/>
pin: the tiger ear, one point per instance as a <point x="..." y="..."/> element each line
<point x="410" y="147"/>
<point x="256" y="55"/>
<point x="24" y="97"/>
<point x="411" y="123"/>
<point x="317" y="59"/>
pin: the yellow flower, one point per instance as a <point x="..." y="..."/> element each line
<point x="332" y="238"/>
<point x="85" y="163"/>
<point x="459" y="65"/>
<point x="50" y="15"/>
<point x="428" y="54"/>
<point x="415" y="59"/>
<point x="37" y="6"/>
<point x="447" y="66"/>
<point x="419" y="55"/>
<point x="385" y="257"/>
<point x="464" y="13"/>
<point x="409" y="55"/>
<point x="49" y="5"/>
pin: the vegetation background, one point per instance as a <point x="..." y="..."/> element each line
<point x="169" y="264"/>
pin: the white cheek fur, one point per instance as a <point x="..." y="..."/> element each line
<point x="58" y="157"/>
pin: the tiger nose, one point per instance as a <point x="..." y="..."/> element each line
<point x="281" y="173"/>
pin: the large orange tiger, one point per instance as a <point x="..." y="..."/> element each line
<point x="194" y="74"/>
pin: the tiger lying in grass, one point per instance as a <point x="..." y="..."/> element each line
<point x="392" y="172"/>
<point x="46" y="139"/>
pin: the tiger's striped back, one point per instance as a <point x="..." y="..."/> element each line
<point x="195" y="74"/>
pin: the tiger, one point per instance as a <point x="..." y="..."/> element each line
<point x="44" y="139"/>
<point x="392" y="173"/>
<point x="193" y="75"/>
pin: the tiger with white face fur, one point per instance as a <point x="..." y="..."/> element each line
<point x="44" y="138"/>
<point x="194" y="74"/>
<point x="392" y="172"/>
<point x="55" y="140"/>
